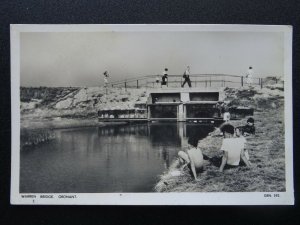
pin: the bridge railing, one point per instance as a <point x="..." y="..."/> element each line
<point x="197" y="80"/>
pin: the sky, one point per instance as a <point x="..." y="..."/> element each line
<point x="80" y="58"/>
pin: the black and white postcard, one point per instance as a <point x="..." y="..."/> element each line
<point x="151" y="115"/>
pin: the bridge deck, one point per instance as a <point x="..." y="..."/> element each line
<point x="137" y="120"/>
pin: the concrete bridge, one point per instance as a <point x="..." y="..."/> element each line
<point x="197" y="80"/>
<point x="199" y="103"/>
<point x="184" y="104"/>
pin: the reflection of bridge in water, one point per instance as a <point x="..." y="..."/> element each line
<point x="160" y="134"/>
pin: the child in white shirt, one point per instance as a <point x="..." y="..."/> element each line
<point x="233" y="149"/>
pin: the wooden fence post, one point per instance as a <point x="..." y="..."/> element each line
<point x="125" y="86"/>
<point x="261" y="83"/>
<point x="137" y="83"/>
<point x="242" y="81"/>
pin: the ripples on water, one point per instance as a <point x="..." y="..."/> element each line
<point x="125" y="158"/>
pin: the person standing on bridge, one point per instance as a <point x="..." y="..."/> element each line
<point x="106" y="75"/>
<point x="186" y="77"/>
<point x="249" y="76"/>
<point x="164" y="81"/>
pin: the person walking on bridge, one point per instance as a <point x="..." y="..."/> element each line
<point x="164" y="81"/>
<point x="186" y="77"/>
<point x="249" y="76"/>
<point x="106" y="75"/>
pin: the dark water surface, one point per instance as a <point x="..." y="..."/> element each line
<point x="125" y="158"/>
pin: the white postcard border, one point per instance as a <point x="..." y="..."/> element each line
<point x="210" y="198"/>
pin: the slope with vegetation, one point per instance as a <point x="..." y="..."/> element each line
<point x="70" y="102"/>
<point x="266" y="150"/>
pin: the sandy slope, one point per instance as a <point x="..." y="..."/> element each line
<point x="77" y="102"/>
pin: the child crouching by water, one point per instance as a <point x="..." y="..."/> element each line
<point x="193" y="157"/>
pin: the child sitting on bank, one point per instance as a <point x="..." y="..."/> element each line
<point x="193" y="157"/>
<point x="249" y="128"/>
<point x="233" y="149"/>
<point x="238" y="134"/>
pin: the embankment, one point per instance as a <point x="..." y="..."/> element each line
<point x="266" y="150"/>
<point x="72" y="102"/>
<point x="45" y="108"/>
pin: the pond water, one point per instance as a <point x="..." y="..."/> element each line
<point x="123" y="158"/>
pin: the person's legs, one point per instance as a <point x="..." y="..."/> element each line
<point x="205" y="157"/>
<point x="198" y="170"/>
<point x="183" y="83"/>
<point x="216" y="161"/>
<point x="229" y="167"/>
<point x="183" y="157"/>
<point x="189" y="83"/>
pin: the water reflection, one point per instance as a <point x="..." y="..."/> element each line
<point x="123" y="158"/>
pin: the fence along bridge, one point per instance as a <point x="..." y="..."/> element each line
<point x="197" y="80"/>
<point x="199" y="104"/>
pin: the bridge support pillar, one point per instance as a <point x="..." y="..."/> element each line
<point x="181" y="113"/>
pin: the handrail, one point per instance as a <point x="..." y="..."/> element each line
<point x="195" y="78"/>
<point x="132" y="79"/>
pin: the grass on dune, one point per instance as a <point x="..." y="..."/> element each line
<point x="266" y="151"/>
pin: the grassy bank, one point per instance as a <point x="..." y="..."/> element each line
<point x="266" y="151"/>
<point x="32" y="137"/>
<point x="59" y="123"/>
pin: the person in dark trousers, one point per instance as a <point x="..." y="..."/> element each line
<point x="186" y="77"/>
<point x="164" y="81"/>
